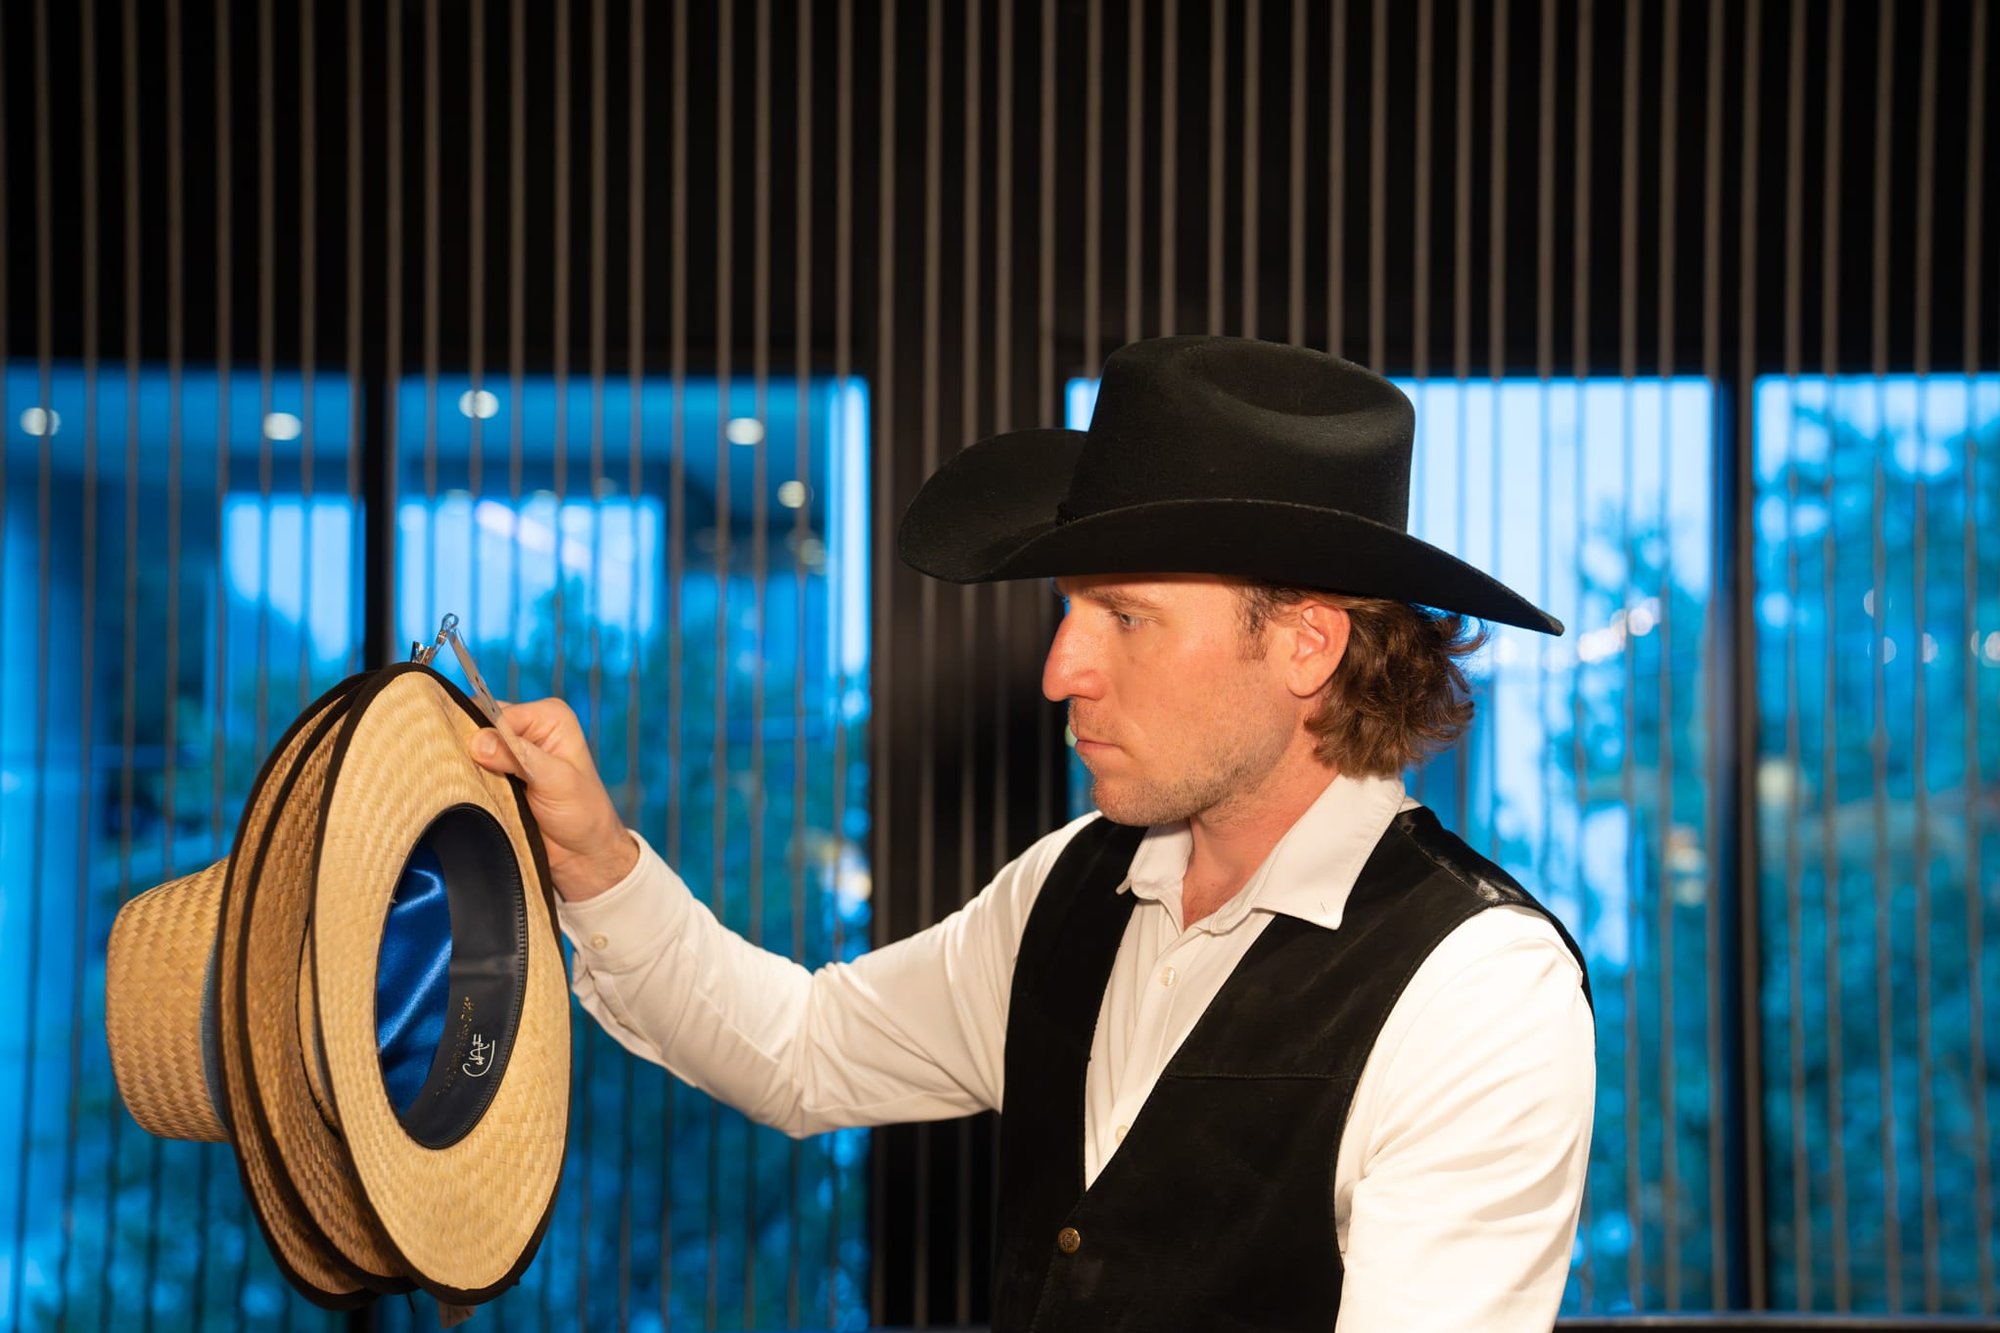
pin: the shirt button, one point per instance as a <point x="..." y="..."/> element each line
<point x="598" y="941"/>
<point x="1168" y="976"/>
<point x="1069" y="1240"/>
<point x="1123" y="1130"/>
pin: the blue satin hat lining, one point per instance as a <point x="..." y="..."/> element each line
<point x="413" y="976"/>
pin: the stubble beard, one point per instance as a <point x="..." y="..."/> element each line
<point x="1230" y="779"/>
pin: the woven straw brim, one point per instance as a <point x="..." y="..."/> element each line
<point x="155" y="970"/>
<point x="299" y="1172"/>
<point x="298" y="1242"/>
<point x="464" y="1216"/>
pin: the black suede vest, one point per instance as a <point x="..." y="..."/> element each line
<point x="1216" y="1212"/>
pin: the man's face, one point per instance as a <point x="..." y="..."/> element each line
<point x="1174" y="708"/>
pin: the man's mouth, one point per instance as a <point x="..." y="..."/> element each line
<point x="1083" y="737"/>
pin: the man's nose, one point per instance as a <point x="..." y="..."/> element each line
<point x="1070" y="671"/>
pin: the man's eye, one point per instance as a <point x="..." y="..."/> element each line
<point x="1125" y="620"/>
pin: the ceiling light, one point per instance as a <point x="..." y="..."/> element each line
<point x="479" y="404"/>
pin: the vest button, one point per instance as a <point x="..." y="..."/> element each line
<point x="1069" y="1240"/>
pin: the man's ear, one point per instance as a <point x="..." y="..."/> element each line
<point x="1316" y="635"/>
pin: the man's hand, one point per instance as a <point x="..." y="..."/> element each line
<point x="589" y="850"/>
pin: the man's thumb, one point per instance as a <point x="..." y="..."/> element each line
<point x="489" y="753"/>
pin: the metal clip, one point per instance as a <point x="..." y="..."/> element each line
<point x="481" y="695"/>
<point x="422" y="654"/>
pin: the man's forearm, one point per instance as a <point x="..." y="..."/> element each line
<point x="897" y="1036"/>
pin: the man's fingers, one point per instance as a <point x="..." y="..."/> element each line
<point x="545" y="722"/>
<point x="539" y="742"/>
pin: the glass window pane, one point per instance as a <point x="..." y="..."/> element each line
<point x="692" y="577"/>
<point x="1878" y="642"/>
<point x="1588" y="771"/>
<point x="177" y="576"/>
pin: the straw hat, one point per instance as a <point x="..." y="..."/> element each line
<point x="366" y="1000"/>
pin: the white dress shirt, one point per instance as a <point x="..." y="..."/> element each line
<point x="1461" y="1167"/>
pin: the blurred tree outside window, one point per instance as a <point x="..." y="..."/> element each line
<point x="1877" y="512"/>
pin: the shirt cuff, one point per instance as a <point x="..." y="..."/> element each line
<point x="630" y="921"/>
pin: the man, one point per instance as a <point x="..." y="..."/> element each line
<point x="1275" y="1051"/>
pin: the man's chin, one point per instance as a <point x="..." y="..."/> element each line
<point x="1122" y="805"/>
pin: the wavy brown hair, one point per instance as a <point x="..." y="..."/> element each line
<point x="1399" y="694"/>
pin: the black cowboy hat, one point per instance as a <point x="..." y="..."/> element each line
<point x="1213" y="456"/>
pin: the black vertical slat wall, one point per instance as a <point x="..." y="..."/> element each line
<point x="358" y="208"/>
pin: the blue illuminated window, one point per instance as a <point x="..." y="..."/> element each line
<point x="728" y="702"/>
<point x="1878" y="798"/>
<point x="141" y="564"/>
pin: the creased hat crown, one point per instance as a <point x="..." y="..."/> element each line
<point x="1196" y="417"/>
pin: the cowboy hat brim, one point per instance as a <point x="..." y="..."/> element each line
<point x="990" y="513"/>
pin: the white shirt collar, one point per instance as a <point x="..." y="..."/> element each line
<point x="1307" y="875"/>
